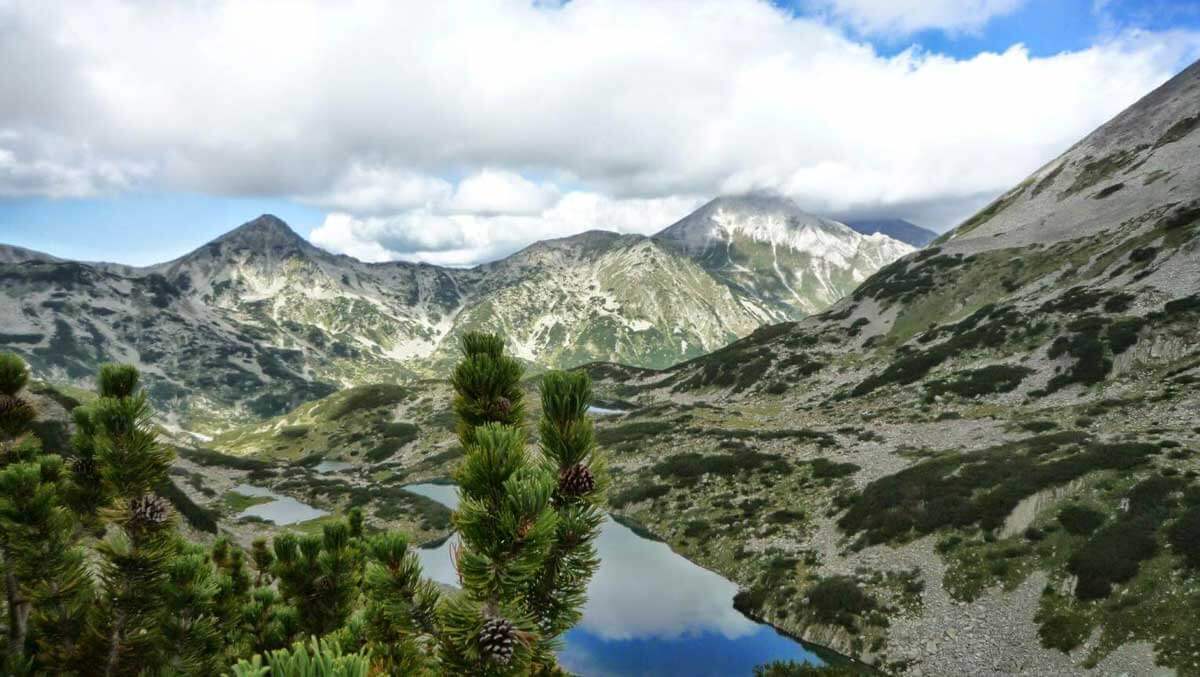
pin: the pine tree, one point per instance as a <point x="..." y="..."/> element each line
<point x="568" y="445"/>
<point x="45" y="579"/>
<point x="192" y="633"/>
<point x="161" y="605"/>
<point x="527" y="522"/>
<point x="401" y="612"/>
<point x="140" y="542"/>
<point x="320" y="576"/>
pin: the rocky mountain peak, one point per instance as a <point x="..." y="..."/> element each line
<point x="267" y="232"/>
<point x="774" y="221"/>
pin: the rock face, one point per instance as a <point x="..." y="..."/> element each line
<point x="259" y="320"/>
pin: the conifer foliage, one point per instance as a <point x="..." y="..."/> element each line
<point x="99" y="581"/>
<point x="527" y="539"/>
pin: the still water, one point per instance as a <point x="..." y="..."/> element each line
<point x="649" y="611"/>
<point x="280" y="509"/>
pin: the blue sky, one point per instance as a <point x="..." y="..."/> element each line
<point x="461" y="133"/>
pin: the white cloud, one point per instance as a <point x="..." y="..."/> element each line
<point x="458" y="239"/>
<point x="904" y="17"/>
<point x="373" y="109"/>
<point x="381" y="189"/>
<point x="500" y="192"/>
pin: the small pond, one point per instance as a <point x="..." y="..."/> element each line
<point x="649" y="611"/>
<point x="326" y="467"/>
<point x="280" y="509"/>
<point x="603" y="411"/>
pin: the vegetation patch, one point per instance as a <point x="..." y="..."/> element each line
<point x="981" y="488"/>
<point x="365" y="398"/>
<point x="689" y="467"/>
<point x="1097" y="170"/>
<point x="1184" y="534"/>
<point x="644" y="491"/>
<point x="906" y="279"/>
<point x="1002" y="325"/>
<point x="838" y="599"/>
<point x="998" y="378"/>
<point x="1080" y="520"/>
<point x="627" y="434"/>
<point x="1113" y="554"/>
<point x="823" y="468"/>
<point x="1178" y="130"/>
<point x="208" y="457"/>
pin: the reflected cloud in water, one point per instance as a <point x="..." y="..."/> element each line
<point x="649" y="610"/>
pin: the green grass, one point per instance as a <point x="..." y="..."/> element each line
<point x="236" y="503"/>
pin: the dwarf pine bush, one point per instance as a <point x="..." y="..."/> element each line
<point x="98" y="579"/>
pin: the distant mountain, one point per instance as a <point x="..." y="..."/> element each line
<point x="260" y="320"/>
<point x="897" y="229"/>
<point x="773" y="250"/>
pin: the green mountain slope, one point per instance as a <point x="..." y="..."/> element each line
<point x="996" y="438"/>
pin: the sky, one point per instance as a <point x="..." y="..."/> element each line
<point x="459" y="132"/>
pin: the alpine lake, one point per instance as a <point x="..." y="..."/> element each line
<point x="650" y="611"/>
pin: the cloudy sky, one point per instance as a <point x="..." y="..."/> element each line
<point x="456" y="132"/>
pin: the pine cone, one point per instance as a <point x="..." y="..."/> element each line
<point x="15" y="414"/>
<point x="576" y="481"/>
<point x="85" y="468"/>
<point x="501" y="407"/>
<point x="148" y="511"/>
<point x="497" y="640"/>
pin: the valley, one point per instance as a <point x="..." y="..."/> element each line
<point x="981" y="457"/>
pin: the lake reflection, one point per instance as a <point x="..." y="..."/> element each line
<point x="649" y="610"/>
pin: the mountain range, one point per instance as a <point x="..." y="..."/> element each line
<point x="260" y="320"/>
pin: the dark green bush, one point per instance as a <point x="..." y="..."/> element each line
<point x="690" y="466"/>
<point x="293" y="431"/>
<point x="1063" y="631"/>
<point x="637" y="493"/>
<point x="1184" y="536"/>
<point x="785" y="516"/>
<point x="208" y="457"/>
<point x="824" y="468"/>
<point x="611" y="436"/>
<point x="1112" y="556"/>
<point x="1038" y="426"/>
<point x="1080" y="520"/>
<point x="998" y="378"/>
<point x="837" y="599"/>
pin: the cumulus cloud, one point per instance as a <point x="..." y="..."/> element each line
<point x="458" y="239"/>
<point x="492" y="192"/>
<point x="903" y="17"/>
<point x="439" y="130"/>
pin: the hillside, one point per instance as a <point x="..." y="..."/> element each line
<point x="259" y="321"/>
<point x="994" y="438"/>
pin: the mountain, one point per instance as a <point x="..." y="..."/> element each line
<point x="769" y="248"/>
<point x="897" y="229"/>
<point x="984" y="460"/>
<point x="259" y="320"/>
